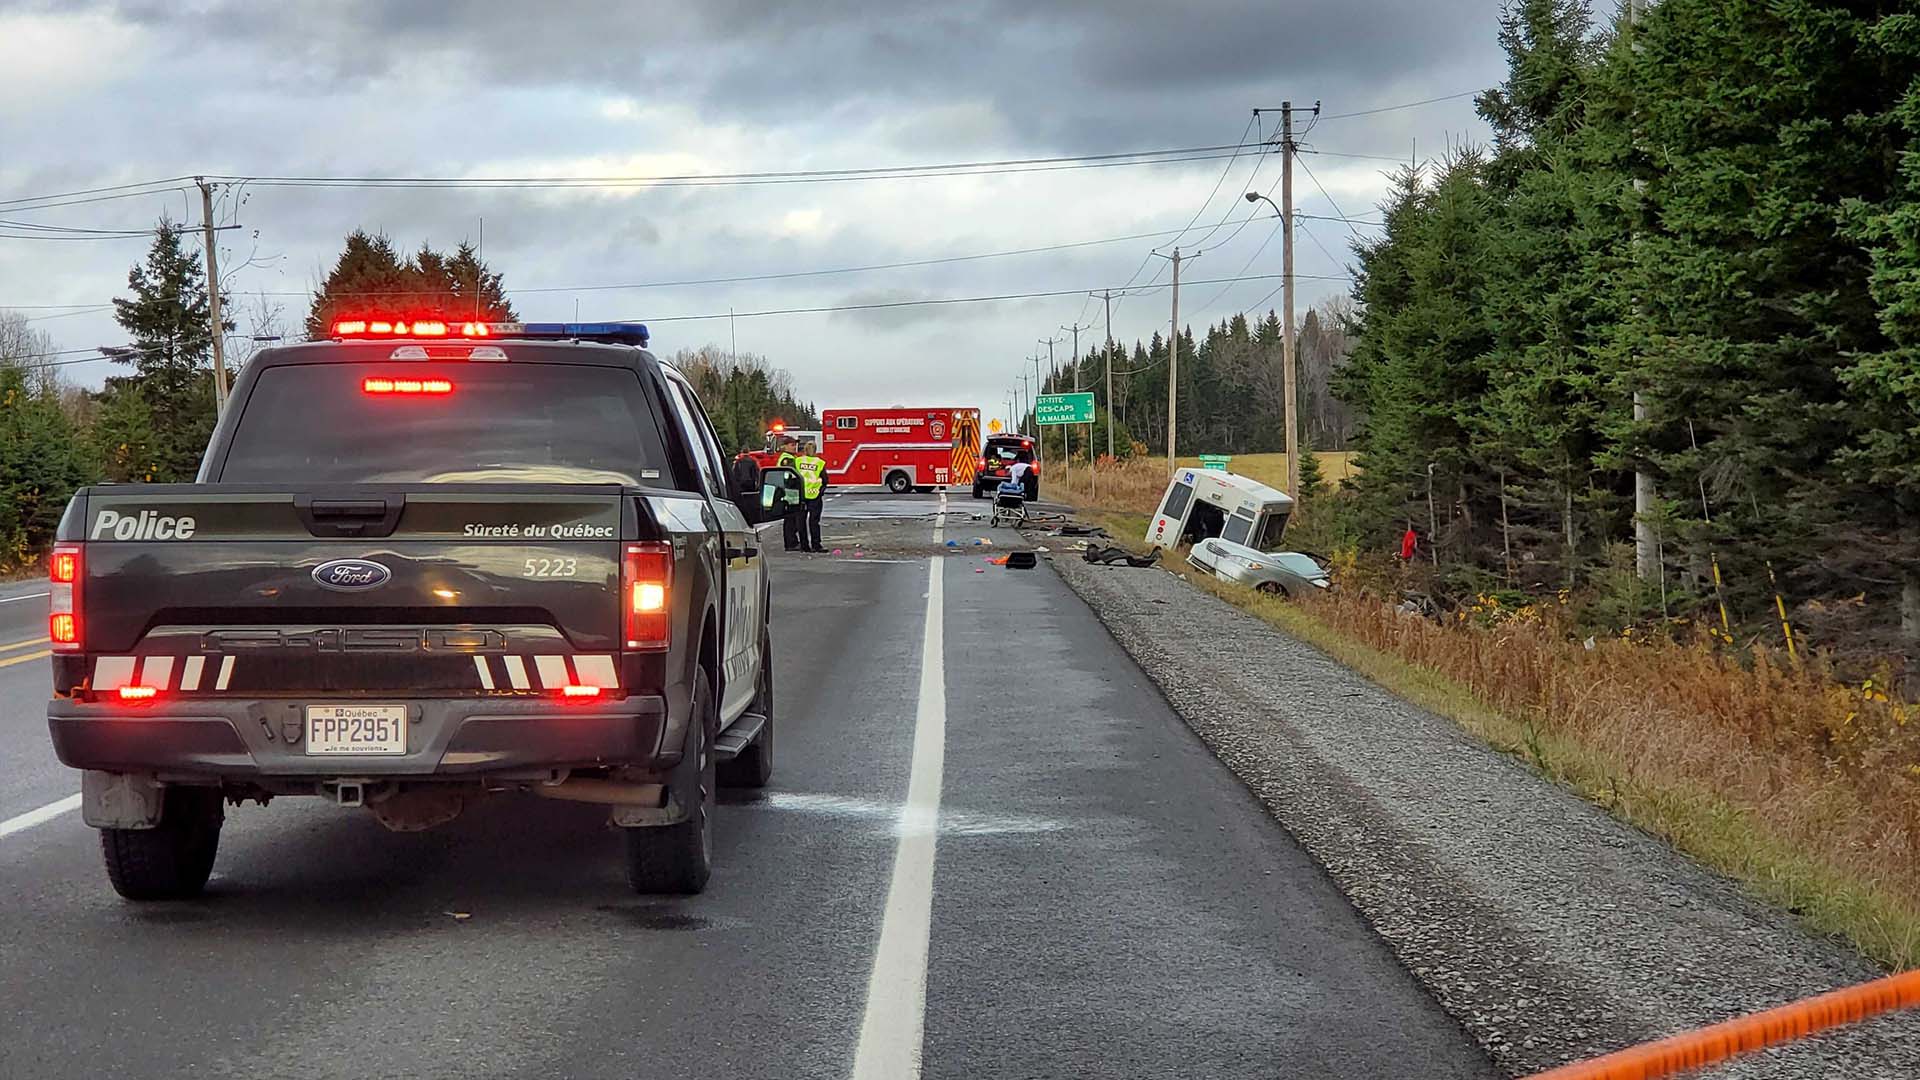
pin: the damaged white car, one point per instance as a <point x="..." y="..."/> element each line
<point x="1278" y="573"/>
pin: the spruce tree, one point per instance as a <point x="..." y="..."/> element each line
<point x="170" y="329"/>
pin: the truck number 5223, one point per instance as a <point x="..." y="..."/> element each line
<point x="551" y="568"/>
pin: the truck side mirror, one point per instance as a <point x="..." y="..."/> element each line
<point x="779" y="493"/>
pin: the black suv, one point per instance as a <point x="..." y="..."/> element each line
<point x="996" y="460"/>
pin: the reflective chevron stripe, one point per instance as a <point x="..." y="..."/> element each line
<point x="548" y="671"/>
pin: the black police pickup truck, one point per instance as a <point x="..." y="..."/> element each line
<point x="424" y="562"/>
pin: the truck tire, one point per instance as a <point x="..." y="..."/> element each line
<point x="1033" y="489"/>
<point x="677" y="859"/>
<point x="976" y="490"/>
<point x="754" y="766"/>
<point x="172" y="860"/>
<point x="899" y="483"/>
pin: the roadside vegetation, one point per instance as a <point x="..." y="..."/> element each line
<point x="1711" y="215"/>
<point x="1798" y="780"/>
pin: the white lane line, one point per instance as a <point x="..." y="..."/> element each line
<point x="22" y="596"/>
<point x="23" y="822"/>
<point x="891" y="1033"/>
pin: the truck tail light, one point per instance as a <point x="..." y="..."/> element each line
<point x="646" y="576"/>
<point x="138" y="693"/>
<point x="576" y="692"/>
<point x="66" y="569"/>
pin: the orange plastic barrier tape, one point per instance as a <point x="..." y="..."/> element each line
<point x="1711" y="1045"/>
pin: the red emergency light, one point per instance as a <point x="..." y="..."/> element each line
<point x="417" y="328"/>
<point x="382" y="385"/>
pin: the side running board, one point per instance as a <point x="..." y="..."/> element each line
<point x="738" y="737"/>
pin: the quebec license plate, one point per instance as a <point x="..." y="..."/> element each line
<point x="351" y="730"/>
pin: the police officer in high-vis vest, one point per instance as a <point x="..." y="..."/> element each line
<point x="790" y="525"/>
<point x="813" y="492"/>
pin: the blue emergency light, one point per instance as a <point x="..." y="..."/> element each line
<point x="616" y="333"/>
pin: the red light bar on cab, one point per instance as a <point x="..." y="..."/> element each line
<point x="364" y="328"/>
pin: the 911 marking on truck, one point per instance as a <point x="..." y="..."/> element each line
<point x="146" y="525"/>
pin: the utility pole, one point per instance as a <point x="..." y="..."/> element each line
<point x="1108" y="297"/>
<point x="1288" y="386"/>
<point x="1033" y="402"/>
<point x="213" y="300"/>
<point x="1053" y="369"/>
<point x="1173" y="372"/>
<point x="1646" y="546"/>
<point x="1067" y="431"/>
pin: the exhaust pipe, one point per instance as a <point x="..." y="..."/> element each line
<point x="589" y="789"/>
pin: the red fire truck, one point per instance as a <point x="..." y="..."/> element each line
<point x="769" y="453"/>
<point x="902" y="449"/>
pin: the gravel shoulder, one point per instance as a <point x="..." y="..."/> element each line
<point x="1552" y="931"/>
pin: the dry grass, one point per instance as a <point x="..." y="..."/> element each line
<point x="1137" y="483"/>
<point x="1806" y="789"/>
<point x="1803" y="787"/>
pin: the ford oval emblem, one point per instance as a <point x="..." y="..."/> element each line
<point x="350" y="575"/>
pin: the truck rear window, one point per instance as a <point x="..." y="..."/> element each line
<point x="458" y="423"/>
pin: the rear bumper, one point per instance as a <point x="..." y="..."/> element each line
<point x="261" y="739"/>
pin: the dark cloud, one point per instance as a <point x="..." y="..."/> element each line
<point x="1071" y="75"/>
<point x="359" y="87"/>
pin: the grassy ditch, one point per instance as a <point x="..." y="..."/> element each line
<point x="1803" y="788"/>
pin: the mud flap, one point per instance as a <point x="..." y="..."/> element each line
<point x="120" y="800"/>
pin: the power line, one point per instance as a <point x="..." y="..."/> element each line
<point x="942" y="301"/>
<point x="1403" y="105"/>
<point x="38" y="226"/>
<point x="939" y="301"/>
<point x="98" y="190"/>
<point x="726" y="280"/>
<point x="1318" y="244"/>
<point x="95" y="199"/>
<point x="1201" y="209"/>
<point x="1329" y="198"/>
<point x="1359" y="157"/>
<point x="5" y="235"/>
<point x="1271" y="233"/>
<point x="889" y="172"/>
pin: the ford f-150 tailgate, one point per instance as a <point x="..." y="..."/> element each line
<point x="199" y="590"/>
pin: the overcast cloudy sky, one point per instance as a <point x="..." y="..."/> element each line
<point x="100" y="94"/>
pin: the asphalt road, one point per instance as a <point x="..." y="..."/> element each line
<point x="1000" y="857"/>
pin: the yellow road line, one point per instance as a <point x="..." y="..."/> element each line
<point x="41" y="655"/>
<point x="11" y="645"/>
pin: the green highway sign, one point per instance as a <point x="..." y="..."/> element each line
<point x="1215" y="462"/>
<point x="1064" y="409"/>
